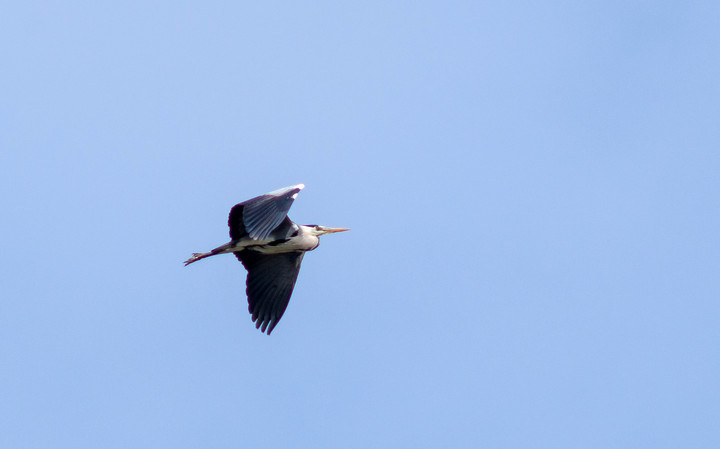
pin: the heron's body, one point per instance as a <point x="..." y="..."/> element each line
<point x="271" y="247"/>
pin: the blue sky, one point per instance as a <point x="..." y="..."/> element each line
<point x="532" y="189"/>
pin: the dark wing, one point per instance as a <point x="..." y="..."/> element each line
<point x="259" y="216"/>
<point x="270" y="282"/>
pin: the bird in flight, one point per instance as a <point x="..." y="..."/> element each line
<point x="271" y="247"/>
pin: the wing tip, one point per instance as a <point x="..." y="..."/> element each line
<point x="284" y="191"/>
<point x="263" y="324"/>
<point x="297" y="187"/>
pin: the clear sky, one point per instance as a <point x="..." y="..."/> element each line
<point x="533" y="190"/>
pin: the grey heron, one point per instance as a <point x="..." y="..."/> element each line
<point x="271" y="247"/>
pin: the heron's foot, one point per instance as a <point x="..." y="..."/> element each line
<point x="195" y="257"/>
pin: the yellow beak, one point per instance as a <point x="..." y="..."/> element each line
<point x="333" y="230"/>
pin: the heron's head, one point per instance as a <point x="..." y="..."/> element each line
<point x="322" y="230"/>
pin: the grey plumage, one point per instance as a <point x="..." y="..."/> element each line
<point x="271" y="247"/>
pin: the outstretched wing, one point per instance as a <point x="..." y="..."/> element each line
<point x="270" y="282"/>
<point x="259" y="216"/>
